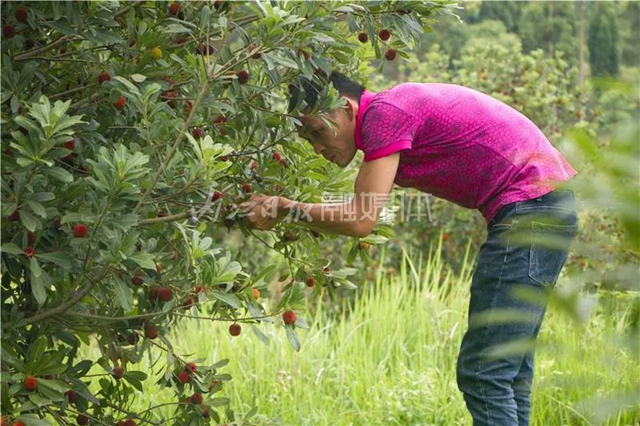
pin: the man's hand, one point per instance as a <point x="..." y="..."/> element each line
<point x="262" y="212"/>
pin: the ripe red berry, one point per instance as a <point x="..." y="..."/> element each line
<point x="289" y="317"/>
<point x="29" y="252"/>
<point x="217" y="195"/>
<point x="15" y="215"/>
<point x="30" y="383"/>
<point x="80" y="230"/>
<point x="70" y="145"/>
<point x="104" y="76"/>
<point x="205" y="49"/>
<point x="31" y="237"/>
<point x="191" y="366"/>
<point x="153" y="293"/>
<point x="257" y="55"/>
<point x="72" y="396"/>
<point x="246" y="187"/>
<point x="22" y="14"/>
<point x="311" y="282"/>
<point x="205" y="412"/>
<point x="8" y="31"/>
<point x="200" y="288"/>
<point x="390" y="55"/>
<point x="137" y="278"/>
<point x="256" y="293"/>
<point x="170" y="96"/>
<point x="196" y="398"/>
<point x="384" y="35"/>
<point x="235" y="329"/>
<point x="253" y="165"/>
<point x="165" y="294"/>
<point x="243" y="76"/>
<point x="188" y="302"/>
<point x="196" y="133"/>
<point x="130" y="422"/>
<point x="18" y="423"/>
<point x="118" y="372"/>
<point x="363" y="37"/>
<point x="82" y="419"/>
<point x="221" y="119"/>
<point x="184" y="377"/>
<point x="120" y="103"/>
<point x="188" y="107"/>
<point x="150" y="332"/>
<point x="224" y="158"/>
<point x="132" y="338"/>
<point x="289" y="235"/>
<point x="174" y="8"/>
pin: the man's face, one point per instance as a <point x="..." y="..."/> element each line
<point x="336" y="143"/>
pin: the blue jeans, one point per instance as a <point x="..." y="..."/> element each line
<point x="526" y="247"/>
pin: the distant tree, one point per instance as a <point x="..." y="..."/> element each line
<point x="507" y="12"/>
<point x="603" y="40"/>
<point x="629" y="20"/>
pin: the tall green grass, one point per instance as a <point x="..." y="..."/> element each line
<point x="390" y="358"/>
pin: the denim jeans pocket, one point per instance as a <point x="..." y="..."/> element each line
<point x="548" y="252"/>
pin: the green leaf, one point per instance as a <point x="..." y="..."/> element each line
<point x="58" y="173"/>
<point x="59" y="258"/>
<point x="11" y="249"/>
<point x="292" y="336"/>
<point x="29" y="222"/>
<point x="259" y="334"/>
<point x="229" y="299"/>
<point x="145" y="260"/>
<point x="138" y="78"/>
<point x="37" y="208"/>
<point x="124" y="295"/>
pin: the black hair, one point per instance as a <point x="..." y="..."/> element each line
<point x="310" y="90"/>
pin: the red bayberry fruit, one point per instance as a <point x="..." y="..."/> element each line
<point x="132" y="338"/>
<point x="174" y="8"/>
<point x="289" y="317"/>
<point x="170" y="96"/>
<point x="188" y="302"/>
<point x="153" y="294"/>
<point x="289" y="236"/>
<point x="256" y="293"/>
<point x="31" y="238"/>
<point x="184" y="377"/>
<point x="256" y="55"/>
<point x="221" y="119"/>
<point x="311" y="282"/>
<point x="217" y="195"/>
<point x="72" y="396"/>
<point x="82" y="419"/>
<point x="205" y="412"/>
<point x="22" y="14"/>
<point x="445" y="236"/>
<point x="196" y="133"/>
<point x="196" y="398"/>
<point x="30" y="383"/>
<point x="243" y="76"/>
<point x="80" y="230"/>
<point x="118" y="372"/>
<point x="8" y="31"/>
<point x="235" y="329"/>
<point x="224" y="158"/>
<point x="29" y="252"/>
<point x="150" y="331"/>
<point x="104" y="76"/>
<point x="390" y="55"/>
<point x="188" y="107"/>
<point x="246" y="187"/>
<point x="70" y="145"/>
<point x="384" y="35"/>
<point x="363" y="37"/>
<point x="18" y="423"/>
<point x="15" y="215"/>
<point x="276" y="156"/>
<point x="253" y="165"/>
<point x="137" y="278"/>
<point x="120" y="103"/>
<point x="204" y="49"/>
<point x="130" y="422"/>
<point x="191" y="366"/>
<point x="165" y="294"/>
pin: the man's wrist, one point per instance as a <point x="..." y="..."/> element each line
<point x="284" y="206"/>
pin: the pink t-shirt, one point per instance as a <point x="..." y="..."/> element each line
<point x="460" y="145"/>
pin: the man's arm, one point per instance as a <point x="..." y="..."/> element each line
<point x="372" y="188"/>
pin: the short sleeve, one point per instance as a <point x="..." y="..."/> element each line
<point x="386" y="129"/>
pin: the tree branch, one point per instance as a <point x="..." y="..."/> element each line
<point x="39" y="50"/>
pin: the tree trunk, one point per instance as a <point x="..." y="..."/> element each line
<point x="583" y="14"/>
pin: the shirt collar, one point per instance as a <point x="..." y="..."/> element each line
<point x="365" y="100"/>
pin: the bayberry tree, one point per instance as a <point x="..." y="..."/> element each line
<point x="129" y="133"/>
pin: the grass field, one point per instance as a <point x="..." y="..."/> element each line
<point x="390" y="360"/>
